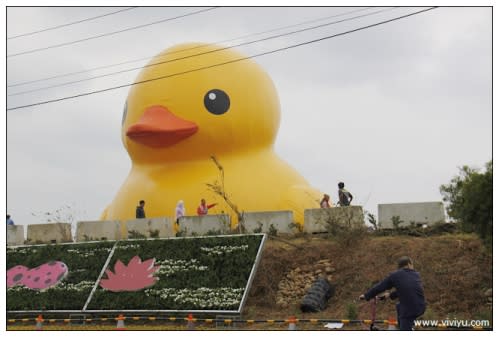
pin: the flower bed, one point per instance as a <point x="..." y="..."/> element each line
<point x="84" y="263"/>
<point x="205" y="273"/>
<point x="199" y="273"/>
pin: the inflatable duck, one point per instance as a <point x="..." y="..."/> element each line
<point x="194" y="102"/>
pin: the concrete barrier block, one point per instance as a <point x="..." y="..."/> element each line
<point x="15" y="235"/>
<point x="316" y="219"/>
<point x="98" y="230"/>
<point x="262" y="221"/>
<point x="428" y="213"/>
<point x="49" y="233"/>
<point x="205" y="224"/>
<point x="154" y="227"/>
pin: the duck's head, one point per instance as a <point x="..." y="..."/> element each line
<point x="190" y="107"/>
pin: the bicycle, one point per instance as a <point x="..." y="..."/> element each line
<point x="374" y="302"/>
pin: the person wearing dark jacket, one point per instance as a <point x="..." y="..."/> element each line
<point x="345" y="197"/>
<point x="139" y="212"/>
<point x="408" y="289"/>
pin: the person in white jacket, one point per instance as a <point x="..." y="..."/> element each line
<point x="179" y="211"/>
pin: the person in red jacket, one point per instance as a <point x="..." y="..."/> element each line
<point x="203" y="208"/>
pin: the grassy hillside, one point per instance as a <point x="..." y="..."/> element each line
<point x="456" y="271"/>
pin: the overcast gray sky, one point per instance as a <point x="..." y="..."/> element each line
<point x="392" y="111"/>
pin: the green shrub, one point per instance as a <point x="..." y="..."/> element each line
<point x="154" y="233"/>
<point x="345" y="234"/>
<point x="272" y="230"/>
<point x="352" y="311"/>
<point x="259" y="228"/>
<point x="469" y="198"/>
<point x="133" y="234"/>
<point x="396" y="221"/>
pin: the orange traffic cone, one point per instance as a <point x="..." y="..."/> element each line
<point x="392" y="323"/>
<point x="190" y="322"/>
<point x="39" y="323"/>
<point x="121" y="322"/>
<point x="292" y="323"/>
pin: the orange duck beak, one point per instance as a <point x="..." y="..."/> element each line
<point x="158" y="127"/>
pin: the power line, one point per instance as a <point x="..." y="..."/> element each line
<point x="223" y="63"/>
<point x="228" y="62"/>
<point x="69" y="24"/>
<point x="111" y="33"/>
<point x="218" y="42"/>
<point x="199" y="54"/>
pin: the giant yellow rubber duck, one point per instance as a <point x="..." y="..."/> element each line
<point x="195" y="101"/>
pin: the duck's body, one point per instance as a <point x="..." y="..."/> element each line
<point x="172" y="127"/>
<point x="261" y="187"/>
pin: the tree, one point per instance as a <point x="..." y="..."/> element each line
<point x="469" y="200"/>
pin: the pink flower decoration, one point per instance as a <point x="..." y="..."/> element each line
<point x="39" y="278"/>
<point x="135" y="276"/>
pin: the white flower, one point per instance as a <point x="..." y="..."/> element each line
<point x="170" y="267"/>
<point x="219" y="250"/>
<point x="213" y="298"/>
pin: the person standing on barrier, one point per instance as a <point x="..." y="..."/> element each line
<point x="203" y="208"/>
<point x="179" y="211"/>
<point x="408" y="289"/>
<point x="345" y="197"/>
<point x="139" y="212"/>
<point x="325" y="201"/>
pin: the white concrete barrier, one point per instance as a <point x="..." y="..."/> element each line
<point x="316" y="219"/>
<point x="262" y="222"/>
<point x="154" y="227"/>
<point x="49" y="233"/>
<point x="205" y="224"/>
<point x="15" y="235"/>
<point x="98" y="230"/>
<point x="428" y="213"/>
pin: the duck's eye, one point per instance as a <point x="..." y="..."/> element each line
<point x="125" y="108"/>
<point x="216" y="101"/>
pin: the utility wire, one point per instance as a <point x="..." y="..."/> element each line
<point x="218" y="42"/>
<point x="111" y="33"/>
<point x="224" y="63"/>
<point x="199" y="54"/>
<point x="69" y="24"/>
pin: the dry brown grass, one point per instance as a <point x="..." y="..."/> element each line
<point x="455" y="270"/>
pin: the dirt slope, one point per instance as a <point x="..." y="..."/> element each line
<point x="455" y="268"/>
